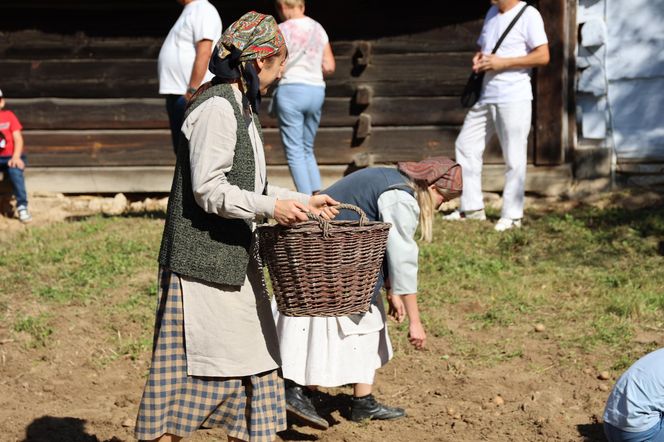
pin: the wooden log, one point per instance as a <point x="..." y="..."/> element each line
<point x="79" y="78"/>
<point x="388" y="75"/>
<point x="36" y="45"/>
<point x="551" y="88"/>
<point x="363" y="129"/>
<point x="150" y="113"/>
<point x="32" y="44"/>
<point x="540" y="180"/>
<point x="453" y="37"/>
<point x="103" y="113"/>
<point x="363" y="95"/>
<point x="362" y="56"/>
<point x="153" y="147"/>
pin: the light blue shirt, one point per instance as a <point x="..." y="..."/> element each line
<point x="401" y="210"/>
<point x="636" y="402"/>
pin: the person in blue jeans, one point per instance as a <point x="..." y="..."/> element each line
<point x="12" y="159"/>
<point x="634" y="411"/>
<point x="298" y="101"/>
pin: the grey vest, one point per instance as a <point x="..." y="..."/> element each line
<point x="202" y="245"/>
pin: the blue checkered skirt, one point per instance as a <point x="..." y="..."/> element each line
<point x="250" y="408"/>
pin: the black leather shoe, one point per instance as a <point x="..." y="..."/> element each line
<point x="300" y="407"/>
<point x="367" y="407"/>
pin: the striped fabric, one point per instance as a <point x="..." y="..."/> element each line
<point x="250" y="408"/>
<point x="441" y="171"/>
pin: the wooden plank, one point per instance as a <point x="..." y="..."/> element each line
<point x="99" y="148"/>
<point x="36" y="45"/>
<point x="150" y="113"/>
<point x="551" y="87"/>
<point x="153" y="147"/>
<point x="79" y="78"/>
<point x="569" y="78"/>
<point x="540" y="180"/>
<point x="388" y="111"/>
<point x="65" y="113"/>
<point x="641" y="168"/>
<point x="388" y="75"/>
<point x="454" y="37"/>
<point x="33" y="44"/>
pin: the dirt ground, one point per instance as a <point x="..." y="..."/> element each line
<point x="57" y="394"/>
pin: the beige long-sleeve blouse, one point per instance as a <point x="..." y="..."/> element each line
<point x="229" y="331"/>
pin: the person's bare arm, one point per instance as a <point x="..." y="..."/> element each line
<point x="536" y="58"/>
<point x="203" y="52"/>
<point x="416" y="334"/>
<point x="329" y="64"/>
<point x="16" y="160"/>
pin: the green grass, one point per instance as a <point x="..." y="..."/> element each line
<point x="37" y="327"/>
<point x="593" y="277"/>
<point x="81" y="263"/>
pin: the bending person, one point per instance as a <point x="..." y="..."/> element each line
<point x="335" y="351"/>
<point x="635" y="409"/>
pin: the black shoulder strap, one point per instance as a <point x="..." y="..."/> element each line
<point x="509" y="28"/>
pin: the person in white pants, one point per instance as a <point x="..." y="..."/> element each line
<point x="504" y="109"/>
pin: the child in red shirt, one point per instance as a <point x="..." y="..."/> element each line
<point x="12" y="160"/>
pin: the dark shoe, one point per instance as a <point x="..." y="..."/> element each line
<point x="300" y="407"/>
<point x="367" y="407"/>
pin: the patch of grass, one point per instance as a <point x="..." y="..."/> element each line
<point x="37" y="327"/>
<point x="77" y="261"/>
<point x="133" y="348"/>
<point x="592" y="276"/>
<point x="595" y="275"/>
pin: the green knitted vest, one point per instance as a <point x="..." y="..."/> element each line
<point x="199" y="244"/>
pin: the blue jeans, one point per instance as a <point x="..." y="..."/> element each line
<point x="17" y="179"/>
<point x="654" y="434"/>
<point x="298" y="108"/>
<point x="175" y="105"/>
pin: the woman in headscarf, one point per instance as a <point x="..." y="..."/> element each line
<point x="212" y="294"/>
<point x="331" y="352"/>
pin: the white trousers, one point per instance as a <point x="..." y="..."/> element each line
<point x="511" y="123"/>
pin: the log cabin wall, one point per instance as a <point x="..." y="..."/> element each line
<point x="82" y="77"/>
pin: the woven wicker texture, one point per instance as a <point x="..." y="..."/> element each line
<point x="324" y="268"/>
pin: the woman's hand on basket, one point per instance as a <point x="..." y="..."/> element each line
<point x="323" y="205"/>
<point x="288" y="212"/>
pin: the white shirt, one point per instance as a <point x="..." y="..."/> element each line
<point x="199" y="21"/>
<point x="511" y="85"/>
<point x="306" y="39"/>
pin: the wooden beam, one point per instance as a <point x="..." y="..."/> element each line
<point x="150" y="113"/>
<point x="97" y="113"/>
<point x="153" y="147"/>
<point x="551" y="88"/>
<point x="39" y="45"/>
<point x="540" y="180"/>
<point x="363" y="128"/>
<point x="389" y="75"/>
<point x="363" y="95"/>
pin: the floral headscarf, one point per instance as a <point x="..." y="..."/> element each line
<point x="252" y="36"/>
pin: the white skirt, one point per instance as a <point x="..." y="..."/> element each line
<point x="330" y="352"/>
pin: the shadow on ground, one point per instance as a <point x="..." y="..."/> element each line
<point x="592" y="432"/>
<point x="60" y="429"/>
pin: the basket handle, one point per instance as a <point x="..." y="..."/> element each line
<point x="325" y="225"/>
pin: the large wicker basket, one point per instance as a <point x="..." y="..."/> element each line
<point x="324" y="268"/>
